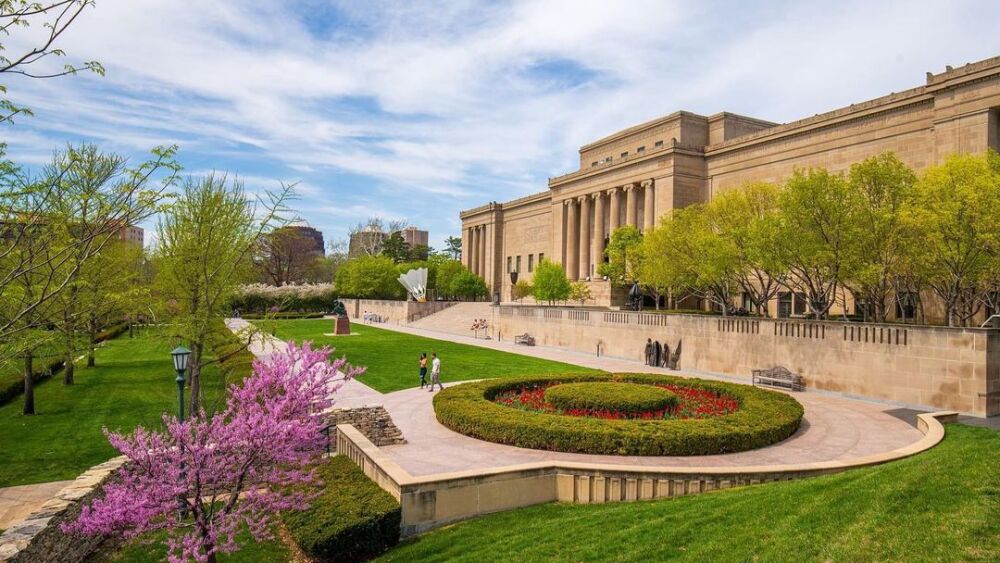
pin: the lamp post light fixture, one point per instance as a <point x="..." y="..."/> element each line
<point x="180" y="355"/>
<point x="513" y="282"/>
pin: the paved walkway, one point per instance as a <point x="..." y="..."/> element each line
<point x="18" y="502"/>
<point x="834" y="428"/>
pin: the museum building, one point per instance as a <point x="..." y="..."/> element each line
<point x="639" y="174"/>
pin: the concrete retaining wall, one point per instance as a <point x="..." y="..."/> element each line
<point x="373" y="422"/>
<point x="394" y="312"/>
<point x="432" y="501"/>
<point x="933" y="367"/>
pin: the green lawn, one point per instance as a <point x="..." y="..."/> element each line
<point x="146" y="551"/>
<point x="392" y="357"/>
<point x="132" y="384"/>
<point x="943" y="505"/>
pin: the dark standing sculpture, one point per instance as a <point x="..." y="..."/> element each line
<point x="675" y="359"/>
<point x="657" y="353"/>
<point x="665" y="358"/>
<point x="647" y="353"/>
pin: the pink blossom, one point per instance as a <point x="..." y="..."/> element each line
<point x="238" y="467"/>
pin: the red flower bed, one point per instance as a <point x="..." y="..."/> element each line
<point x="694" y="403"/>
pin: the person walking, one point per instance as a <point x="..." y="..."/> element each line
<point x="423" y="369"/>
<point x="435" y="372"/>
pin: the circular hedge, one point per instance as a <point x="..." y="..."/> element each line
<point x="764" y="418"/>
<point x="629" y="399"/>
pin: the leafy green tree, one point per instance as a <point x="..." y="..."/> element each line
<point x="205" y="245"/>
<point x="551" y="283"/>
<point x="396" y="248"/>
<point x="881" y="189"/>
<point x="747" y="221"/>
<point x="453" y="246"/>
<point x="814" y="232"/>
<point x="955" y="218"/>
<point x="467" y="285"/>
<point x="30" y="54"/>
<point x="580" y="291"/>
<point x="369" y="277"/>
<point x="447" y="271"/>
<point x="522" y="289"/>
<point x="623" y="256"/>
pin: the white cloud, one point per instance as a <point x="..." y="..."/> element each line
<point x="404" y="109"/>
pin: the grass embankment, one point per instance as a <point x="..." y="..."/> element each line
<point x="132" y="384"/>
<point x="392" y="357"/>
<point x="942" y="505"/>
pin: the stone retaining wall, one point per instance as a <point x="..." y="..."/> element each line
<point x="38" y="538"/>
<point x="921" y="366"/>
<point x="432" y="501"/>
<point x="374" y="422"/>
<point x="394" y="311"/>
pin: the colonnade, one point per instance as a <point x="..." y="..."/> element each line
<point x="584" y="246"/>
<point x="476" y="255"/>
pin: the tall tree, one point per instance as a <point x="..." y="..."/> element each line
<point x="623" y="256"/>
<point x="814" y="235"/>
<point x="453" y="246"/>
<point x="550" y="283"/>
<point x="957" y="203"/>
<point x="33" y="54"/>
<point x="396" y="248"/>
<point x="204" y="246"/>
<point x="285" y="255"/>
<point x="881" y="189"/>
<point x="747" y="220"/>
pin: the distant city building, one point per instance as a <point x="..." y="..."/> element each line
<point x="132" y="234"/>
<point x="369" y="240"/>
<point x="414" y="236"/>
<point x="302" y="229"/>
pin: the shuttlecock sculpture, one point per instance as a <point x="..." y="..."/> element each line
<point x="415" y="282"/>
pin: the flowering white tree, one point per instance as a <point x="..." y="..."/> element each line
<point x="203" y="479"/>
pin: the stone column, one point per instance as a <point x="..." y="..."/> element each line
<point x="469" y="248"/>
<point x="648" y="216"/>
<point x="584" y="236"/>
<point x="572" y="266"/>
<point x="630" y="204"/>
<point x="616" y="210"/>
<point x="482" y="251"/>
<point x="598" y="230"/>
<point x="474" y="251"/>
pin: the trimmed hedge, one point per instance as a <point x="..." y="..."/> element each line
<point x="353" y="519"/>
<point x="236" y="361"/>
<point x="764" y="418"/>
<point x="627" y="398"/>
<point x="12" y="381"/>
<point x="283" y="316"/>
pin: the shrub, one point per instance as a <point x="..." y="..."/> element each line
<point x="765" y="417"/>
<point x="258" y="298"/>
<point x="352" y="520"/>
<point x="626" y="398"/>
<point x="288" y="315"/>
<point x="369" y="277"/>
<point x="467" y="285"/>
<point x="235" y="361"/>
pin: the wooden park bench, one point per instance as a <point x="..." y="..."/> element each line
<point x="525" y="339"/>
<point x="778" y="377"/>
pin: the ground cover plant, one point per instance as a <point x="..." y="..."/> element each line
<point x="132" y="384"/>
<point x="940" y="505"/>
<point x="717" y="418"/>
<point x="391" y="357"/>
<point x="600" y="400"/>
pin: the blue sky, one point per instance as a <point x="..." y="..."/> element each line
<point x="415" y="111"/>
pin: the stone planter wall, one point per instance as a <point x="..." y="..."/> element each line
<point x="373" y="422"/>
<point x="38" y="538"/>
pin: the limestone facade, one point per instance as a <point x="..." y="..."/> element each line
<point x="638" y="175"/>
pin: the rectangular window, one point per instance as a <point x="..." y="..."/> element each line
<point x="800" y="303"/>
<point x="906" y="305"/>
<point x="531" y="263"/>
<point x="593" y="164"/>
<point x="517" y="264"/>
<point x="508" y="264"/>
<point x="748" y="303"/>
<point x="541" y="256"/>
<point x="624" y="154"/>
<point x="784" y="305"/>
<point x="641" y="149"/>
<point x="658" y="144"/>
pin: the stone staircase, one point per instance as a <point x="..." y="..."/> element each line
<point x="456" y="319"/>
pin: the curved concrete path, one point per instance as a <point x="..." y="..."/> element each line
<point x="834" y="428"/>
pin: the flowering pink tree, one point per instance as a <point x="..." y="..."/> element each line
<point x="238" y="467"/>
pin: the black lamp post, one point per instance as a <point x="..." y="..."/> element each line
<point x="180" y="355"/>
<point x="513" y="281"/>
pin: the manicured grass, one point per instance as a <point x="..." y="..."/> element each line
<point x="133" y="384"/>
<point x="392" y="357"/>
<point x="942" y="505"/>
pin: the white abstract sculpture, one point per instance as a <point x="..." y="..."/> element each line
<point x="415" y="282"/>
